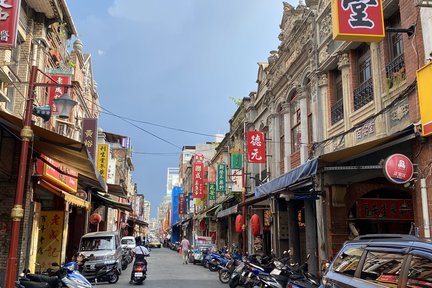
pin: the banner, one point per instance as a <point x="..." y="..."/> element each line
<point x="358" y="20"/>
<point x="237" y="180"/>
<point x="181" y="204"/>
<point x="89" y="134"/>
<point x="221" y="178"/>
<point x="256" y="147"/>
<point x="198" y="180"/>
<point x="102" y="160"/>
<point x="56" y="92"/>
<point x="212" y="191"/>
<point x="9" y="15"/>
<point x="424" y="86"/>
<point x="236" y="161"/>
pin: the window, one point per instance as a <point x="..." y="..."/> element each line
<point x="337" y="97"/>
<point x="395" y="69"/>
<point x="363" y="94"/>
<point x="382" y="267"/>
<point x="295" y="124"/>
<point x="420" y="272"/>
<point x="348" y="260"/>
<point x="281" y="140"/>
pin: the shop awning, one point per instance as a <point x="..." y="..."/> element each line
<point x="60" y="148"/>
<point x="363" y="149"/>
<point x="209" y="212"/>
<point x="299" y="173"/>
<point x="228" y="211"/>
<point x="138" y="222"/>
<point x="68" y="197"/>
<point x="105" y="200"/>
<point x="117" y="190"/>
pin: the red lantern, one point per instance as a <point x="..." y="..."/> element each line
<point x="239" y="223"/>
<point x="255" y="225"/>
<point x="95" y="218"/>
<point x="202" y="225"/>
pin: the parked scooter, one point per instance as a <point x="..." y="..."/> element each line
<point x="301" y="278"/>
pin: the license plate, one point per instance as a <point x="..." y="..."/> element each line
<point x="138" y="274"/>
<point x="275" y="271"/>
<point x="92" y="266"/>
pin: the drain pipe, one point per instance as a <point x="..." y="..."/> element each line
<point x="425" y="209"/>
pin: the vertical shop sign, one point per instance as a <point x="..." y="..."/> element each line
<point x="212" y="191"/>
<point x="236" y="161"/>
<point x="50" y="238"/>
<point x="424" y="87"/>
<point x="56" y="92"/>
<point x="358" y="20"/>
<point x="256" y="147"/>
<point x="236" y="180"/>
<point x="89" y="133"/>
<point x="221" y="178"/>
<point x="102" y="160"/>
<point x="9" y="15"/>
<point x="198" y="180"/>
<point x="181" y="204"/>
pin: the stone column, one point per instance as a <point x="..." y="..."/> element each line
<point x="311" y="236"/>
<point x="344" y="66"/>
<point x="323" y="104"/>
<point x="303" y="98"/>
<point x="275" y="142"/>
<point x="287" y="127"/>
<point x="380" y="121"/>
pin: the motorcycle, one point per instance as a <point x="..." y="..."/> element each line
<point x="217" y="261"/>
<point x="139" y="271"/>
<point x="64" y="276"/>
<point x="301" y="278"/>
<point x="127" y="258"/>
<point x="226" y="272"/>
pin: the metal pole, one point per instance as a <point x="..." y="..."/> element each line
<point x="244" y="190"/>
<point x="17" y="211"/>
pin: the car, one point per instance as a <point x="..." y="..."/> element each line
<point x="128" y="242"/>
<point x="155" y="243"/>
<point x="381" y="260"/>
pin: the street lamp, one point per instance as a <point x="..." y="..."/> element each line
<point x="63" y="103"/>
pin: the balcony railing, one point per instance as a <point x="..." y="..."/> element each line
<point x="363" y="94"/>
<point x="337" y="111"/>
<point x="395" y="71"/>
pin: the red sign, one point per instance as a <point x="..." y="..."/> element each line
<point x="181" y="202"/>
<point x="9" y="15"/>
<point x="398" y="169"/>
<point x="56" y="92"/>
<point x="395" y="209"/>
<point x="358" y="20"/>
<point x="57" y="173"/>
<point x="256" y="147"/>
<point x="198" y="180"/>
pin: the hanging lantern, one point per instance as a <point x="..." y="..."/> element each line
<point x="239" y="223"/>
<point x="95" y="218"/>
<point x="255" y="225"/>
<point x="202" y="225"/>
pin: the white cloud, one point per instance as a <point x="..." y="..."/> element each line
<point x="100" y="52"/>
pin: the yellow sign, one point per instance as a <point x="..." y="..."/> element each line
<point x="102" y="160"/>
<point x="424" y="87"/>
<point x="50" y="238"/>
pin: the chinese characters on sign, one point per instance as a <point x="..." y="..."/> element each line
<point x="56" y="92"/>
<point x="358" y="20"/>
<point x="221" y="178"/>
<point x="198" y="180"/>
<point x="50" y="238"/>
<point x="256" y="147"/>
<point x="400" y="209"/>
<point x="398" y="169"/>
<point x="236" y="180"/>
<point x="424" y="86"/>
<point x="9" y="14"/>
<point x="102" y="160"/>
<point x="212" y="191"/>
<point x="181" y="204"/>
<point x="236" y="161"/>
<point x="57" y="173"/>
<point x="89" y="135"/>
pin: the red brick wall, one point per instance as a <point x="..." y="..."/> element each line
<point x="295" y="159"/>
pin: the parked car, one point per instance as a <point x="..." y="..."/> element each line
<point x="128" y="242"/>
<point x="381" y="260"/>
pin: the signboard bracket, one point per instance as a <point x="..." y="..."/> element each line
<point x="410" y="30"/>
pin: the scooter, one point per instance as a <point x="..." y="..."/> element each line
<point x="139" y="271"/>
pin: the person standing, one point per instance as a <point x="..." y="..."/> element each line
<point x="185" y="245"/>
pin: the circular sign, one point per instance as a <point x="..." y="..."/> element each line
<point x="398" y="169"/>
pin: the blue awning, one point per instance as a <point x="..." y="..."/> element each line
<point x="299" y="173"/>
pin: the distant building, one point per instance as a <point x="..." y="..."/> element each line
<point x="146" y="210"/>
<point x="172" y="179"/>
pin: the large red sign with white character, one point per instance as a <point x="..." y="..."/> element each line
<point x="9" y="15"/>
<point x="56" y="92"/>
<point x="198" y="176"/>
<point x="256" y="147"/>
<point x="398" y="169"/>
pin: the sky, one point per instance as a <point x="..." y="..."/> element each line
<point x="167" y="71"/>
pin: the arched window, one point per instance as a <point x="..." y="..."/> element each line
<point x="295" y="123"/>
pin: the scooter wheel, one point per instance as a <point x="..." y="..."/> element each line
<point x="114" y="278"/>
<point x="212" y="268"/>
<point x="224" y="276"/>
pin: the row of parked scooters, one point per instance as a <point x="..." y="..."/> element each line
<point x="259" y="271"/>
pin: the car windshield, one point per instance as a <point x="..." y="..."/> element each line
<point x="127" y="241"/>
<point x="96" y="243"/>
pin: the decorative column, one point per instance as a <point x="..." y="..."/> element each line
<point x="287" y="127"/>
<point x="303" y="98"/>
<point x="275" y="135"/>
<point x="344" y="66"/>
<point x="323" y="104"/>
<point x="380" y="122"/>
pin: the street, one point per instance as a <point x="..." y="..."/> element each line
<point x="165" y="269"/>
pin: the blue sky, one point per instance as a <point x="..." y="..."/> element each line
<point x="175" y="64"/>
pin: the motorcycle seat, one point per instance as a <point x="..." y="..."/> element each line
<point x="32" y="284"/>
<point x="51" y="280"/>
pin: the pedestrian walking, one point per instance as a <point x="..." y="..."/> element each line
<point x="185" y="245"/>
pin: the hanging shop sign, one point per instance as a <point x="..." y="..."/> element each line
<point x="56" y="92"/>
<point x="9" y="15"/>
<point x="198" y="180"/>
<point x="50" y="238"/>
<point x="89" y="133"/>
<point x="181" y="204"/>
<point x="358" y="20"/>
<point x="221" y="178"/>
<point x="256" y="147"/>
<point x="236" y="180"/>
<point x="424" y="88"/>
<point x="385" y="209"/>
<point x="212" y="191"/>
<point x="236" y="161"/>
<point x="57" y="173"/>
<point x="102" y="160"/>
<point x="398" y="169"/>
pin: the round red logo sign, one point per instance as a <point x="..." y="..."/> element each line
<point x="398" y="168"/>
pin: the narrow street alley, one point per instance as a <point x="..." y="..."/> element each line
<point x="165" y="270"/>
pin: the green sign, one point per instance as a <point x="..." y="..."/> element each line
<point x="236" y="161"/>
<point x="221" y="177"/>
<point x="212" y="191"/>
